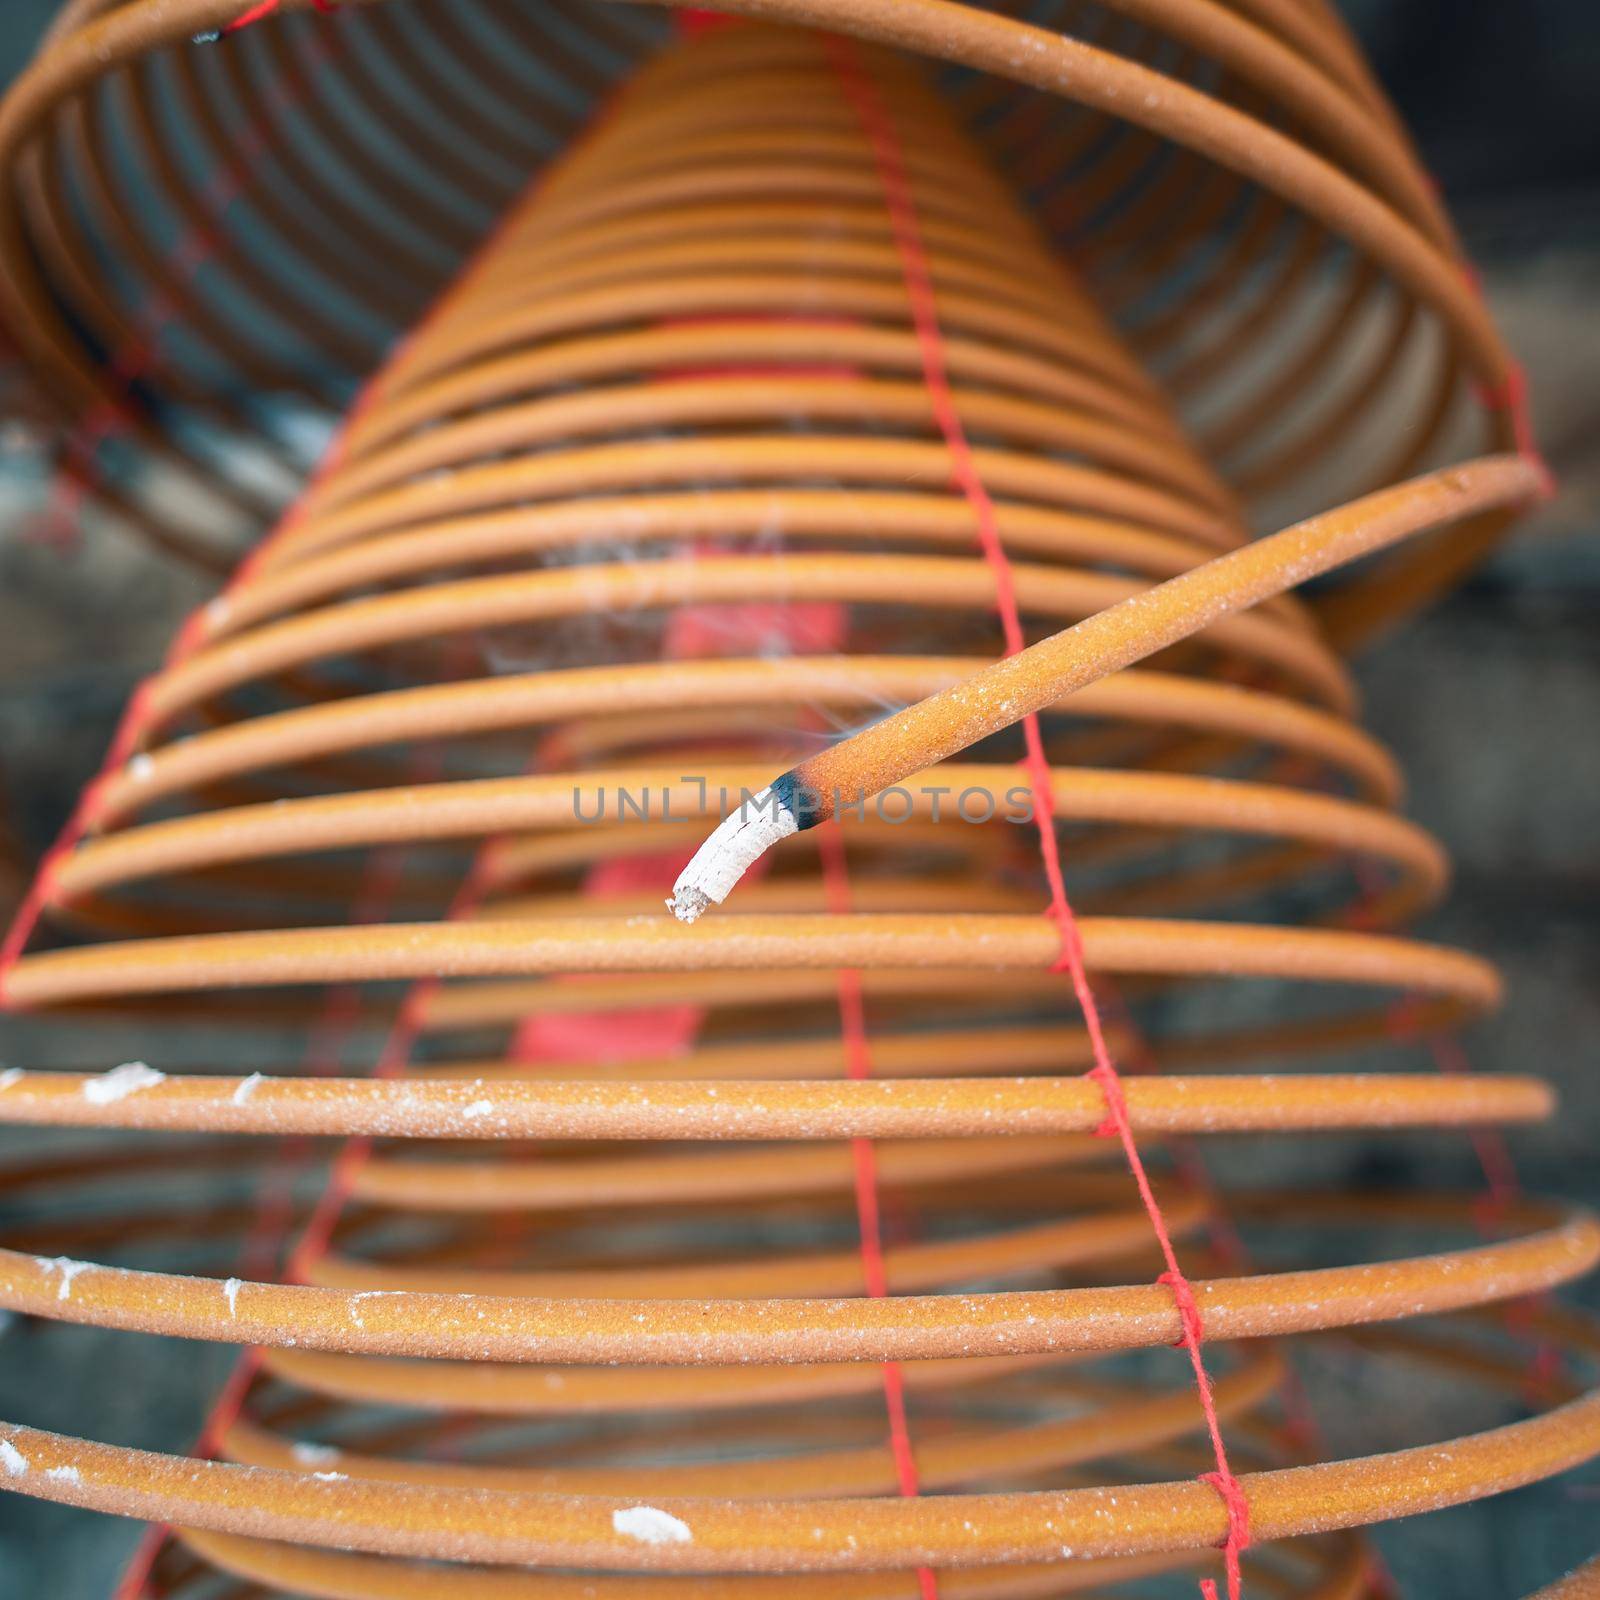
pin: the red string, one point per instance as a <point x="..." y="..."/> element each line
<point x="1188" y="1311"/>
<point x="874" y="1271"/>
<point x="812" y="627"/>
<point x="1502" y="1186"/>
<point x="880" y="131"/>
<point x="1233" y="1497"/>
<point x="79" y="472"/>
<point x="265" y="8"/>
<point x="695" y="20"/>
<point x="275" y="1214"/>
<point x="319" y="1228"/>
<point x="1301" y="1432"/>
<point x="317" y="1234"/>
<point x="192" y="634"/>
<point x="1510" y="396"/>
<point x="124" y="741"/>
<point x="1503" y="1191"/>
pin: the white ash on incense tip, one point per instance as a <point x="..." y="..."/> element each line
<point x="737" y="843"/>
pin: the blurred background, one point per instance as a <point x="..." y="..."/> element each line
<point x="1491" y="702"/>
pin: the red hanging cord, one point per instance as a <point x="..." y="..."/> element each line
<point x="879" y="128"/>
<point x="858" y="1065"/>
<point x="261" y="10"/>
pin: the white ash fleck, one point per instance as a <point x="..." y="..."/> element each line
<point x="650" y="1526"/>
<point x="12" y="1459"/>
<point x="478" y="1108"/>
<point x="230" y="1292"/>
<point x="247" y="1087"/>
<point x="68" y="1268"/>
<point x="64" y="1474"/>
<point x="331" y="1477"/>
<point x="140" y="768"/>
<point x="313" y="1455"/>
<point x="10" y="1076"/>
<point x="369" y="1294"/>
<point x="120" y="1082"/>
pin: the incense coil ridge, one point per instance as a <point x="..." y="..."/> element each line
<point x="654" y="502"/>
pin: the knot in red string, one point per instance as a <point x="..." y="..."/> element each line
<point x="1194" y="1332"/>
<point x="1238" y="1536"/>
<point x="1071" y="956"/>
<point x="1116" y="1117"/>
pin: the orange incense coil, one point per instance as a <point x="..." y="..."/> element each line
<point x="655" y="502"/>
<point x="1213" y="168"/>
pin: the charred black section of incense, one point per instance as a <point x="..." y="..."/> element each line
<point x="802" y="803"/>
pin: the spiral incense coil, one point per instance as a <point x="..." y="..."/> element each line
<point x="277" y="206"/>
<point x="785" y="1251"/>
